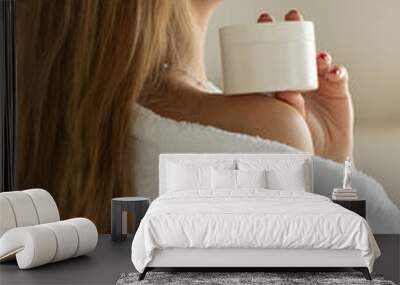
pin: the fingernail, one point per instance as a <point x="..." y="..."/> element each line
<point x="324" y="56"/>
<point x="336" y="71"/>
<point x="264" y="16"/>
<point x="293" y="11"/>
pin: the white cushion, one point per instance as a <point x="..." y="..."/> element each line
<point x="45" y="243"/>
<point x="87" y="233"/>
<point x="34" y="244"/>
<point x="251" y="178"/>
<point x="188" y="177"/>
<point x="23" y="208"/>
<point x="26" y="208"/>
<point x="291" y="179"/>
<point x="45" y="205"/>
<point x="223" y="179"/>
<point x="7" y="218"/>
<point x="230" y="180"/>
<point x="283" y="174"/>
<point x="205" y="162"/>
<point x="67" y="240"/>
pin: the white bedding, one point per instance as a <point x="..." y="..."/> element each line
<point x="251" y="218"/>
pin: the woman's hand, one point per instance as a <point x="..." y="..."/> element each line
<point x="328" y="111"/>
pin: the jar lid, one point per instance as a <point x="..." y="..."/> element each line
<point x="268" y="32"/>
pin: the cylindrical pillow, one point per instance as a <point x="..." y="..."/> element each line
<point x="33" y="246"/>
<point x="41" y="244"/>
<point x="23" y="208"/>
<point x="67" y="240"/>
<point x="45" y="205"/>
<point x="26" y="208"/>
<point x="87" y="234"/>
<point x="7" y="218"/>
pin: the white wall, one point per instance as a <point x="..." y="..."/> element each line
<point x="364" y="35"/>
<point x="377" y="153"/>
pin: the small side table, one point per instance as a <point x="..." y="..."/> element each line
<point x="119" y="214"/>
<point x="356" y="206"/>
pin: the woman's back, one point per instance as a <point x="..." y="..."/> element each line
<point x="256" y="115"/>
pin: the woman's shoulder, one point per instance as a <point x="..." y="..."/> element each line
<point x="257" y="115"/>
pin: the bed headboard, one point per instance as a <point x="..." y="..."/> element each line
<point x="164" y="158"/>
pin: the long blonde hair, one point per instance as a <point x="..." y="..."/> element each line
<point x="81" y="66"/>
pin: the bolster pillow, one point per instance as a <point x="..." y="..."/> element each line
<point x="26" y="208"/>
<point x="40" y="244"/>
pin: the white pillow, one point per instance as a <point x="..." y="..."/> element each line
<point x="251" y="178"/>
<point x="223" y="179"/>
<point x="203" y="162"/>
<point x="188" y="177"/>
<point x="291" y="179"/>
<point x="283" y="174"/>
<point x="226" y="179"/>
<point x="44" y="243"/>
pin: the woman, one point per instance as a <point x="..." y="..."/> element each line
<point x="82" y="65"/>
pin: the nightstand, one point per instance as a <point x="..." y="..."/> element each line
<point x="356" y="206"/>
<point x="119" y="214"/>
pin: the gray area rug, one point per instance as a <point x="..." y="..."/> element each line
<point x="225" y="278"/>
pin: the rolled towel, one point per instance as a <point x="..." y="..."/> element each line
<point x="40" y="244"/>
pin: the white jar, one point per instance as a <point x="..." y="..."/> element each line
<point x="269" y="57"/>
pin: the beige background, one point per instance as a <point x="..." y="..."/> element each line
<point x="364" y="35"/>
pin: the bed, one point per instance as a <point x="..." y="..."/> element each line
<point x="246" y="211"/>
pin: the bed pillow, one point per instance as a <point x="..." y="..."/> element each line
<point x="251" y="179"/>
<point x="205" y="162"/>
<point x="188" y="177"/>
<point x="282" y="174"/>
<point x="226" y="179"/>
<point x="290" y="179"/>
<point x="223" y="179"/>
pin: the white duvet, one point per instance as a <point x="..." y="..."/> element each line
<point x="251" y="218"/>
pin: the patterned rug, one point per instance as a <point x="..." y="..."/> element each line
<point x="269" y="278"/>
